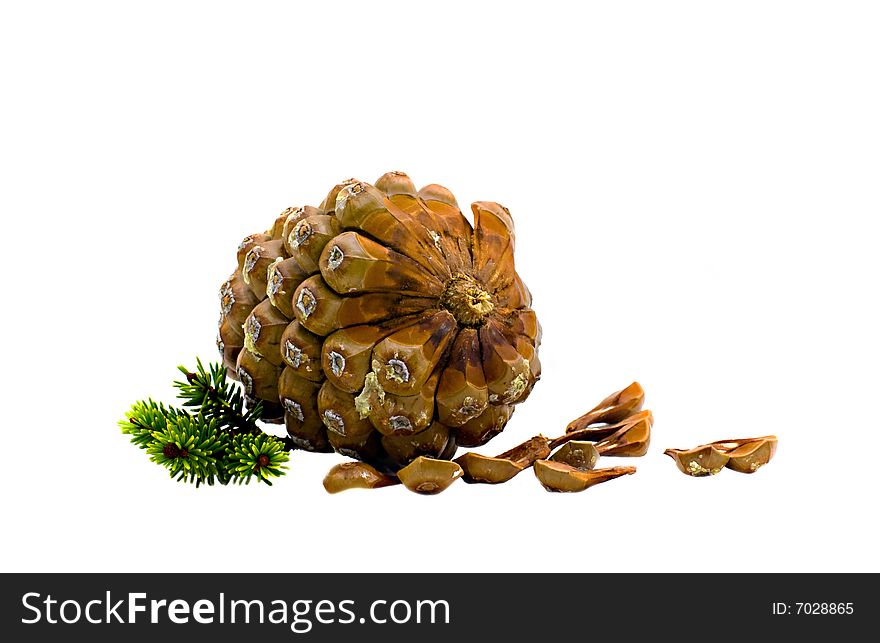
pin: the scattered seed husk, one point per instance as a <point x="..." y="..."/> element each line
<point x="614" y="408"/>
<point x="700" y="461"/>
<point x="604" y="431"/>
<point x="751" y="454"/>
<point x="503" y="467"/>
<point x="599" y="432"/>
<point x="485" y="469"/>
<point x="525" y="454"/>
<point x="428" y="476"/>
<point x="631" y="439"/>
<point x="558" y="476"/>
<point x="577" y="454"/>
<point x="744" y="455"/>
<point x="355" y="475"/>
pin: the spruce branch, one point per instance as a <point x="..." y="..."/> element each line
<point x="191" y="448"/>
<point x="210" y="391"/>
<point x="213" y="437"/>
<point x="144" y="418"/>
<point x="262" y="456"/>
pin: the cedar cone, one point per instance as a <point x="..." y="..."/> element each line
<point x="381" y="324"/>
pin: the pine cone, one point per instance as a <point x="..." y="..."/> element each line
<point x="381" y="324"/>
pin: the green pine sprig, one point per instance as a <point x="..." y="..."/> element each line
<point x="261" y="456"/>
<point x="214" y="437"/>
<point x="190" y="449"/>
<point x="217" y="398"/>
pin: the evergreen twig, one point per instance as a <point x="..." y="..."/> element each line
<point x="210" y="391"/>
<point x="213" y="437"/>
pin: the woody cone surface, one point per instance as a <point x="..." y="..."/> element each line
<point x="381" y="324"/>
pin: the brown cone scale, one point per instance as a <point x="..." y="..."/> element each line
<point x="301" y="351"/>
<point x="383" y="324"/>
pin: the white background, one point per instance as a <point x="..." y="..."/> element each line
<point x="695" y="188"/>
